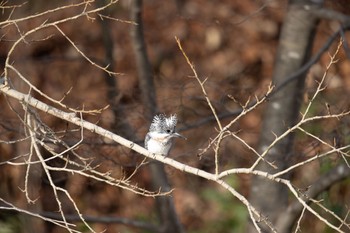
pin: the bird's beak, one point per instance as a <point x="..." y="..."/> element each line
<point x="179" y="136"/>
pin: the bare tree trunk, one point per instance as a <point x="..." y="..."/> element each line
<point x="165" y="205"/>
<point x="120" y="125"/>
<point x="282" y="110"/>
<point x="145" y="75"/>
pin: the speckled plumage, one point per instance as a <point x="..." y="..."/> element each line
<point x="161" y="133"/>
<point x="163" y="124"/>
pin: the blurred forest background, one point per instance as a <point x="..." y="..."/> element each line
<point x="232" y="44"/>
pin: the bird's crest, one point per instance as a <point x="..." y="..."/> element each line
<point x="161" y="123"/>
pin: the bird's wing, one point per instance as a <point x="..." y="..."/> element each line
<point x="147" y="138"/>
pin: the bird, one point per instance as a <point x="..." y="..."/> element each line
<point x="161" y="134"/>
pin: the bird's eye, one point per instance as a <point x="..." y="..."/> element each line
<point x="168" y="131"/>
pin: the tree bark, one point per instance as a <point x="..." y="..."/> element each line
<point x="169" y="220"/>
<point x="282" y="109"/>
<point x="145" y="75"/>
<point x="119" y="125"/>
